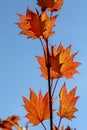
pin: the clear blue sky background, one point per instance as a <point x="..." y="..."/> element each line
<point x="19" y="68"/>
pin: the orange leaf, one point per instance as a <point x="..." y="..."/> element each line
<point x="62" y="63"/>
<point x="55" y="128"/>
<point x="52" y="5"/>
<point x="68" y="128"/>
<point x="67" y="103"/>
<point x="44" y="4"/>
<point x="35" y="25"/>
<point x="57" y="5"/>
<point x="9" y="122"/>
<point x="37" y="107"/>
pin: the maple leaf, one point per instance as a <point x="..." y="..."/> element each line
<point x="9" y="122"/>
<point x="67" y="103"/>
<point x="37" y="107"/>
<point x="51" y="5"/>
<point x="35" y="25"/>
<point x="61" y="63"/>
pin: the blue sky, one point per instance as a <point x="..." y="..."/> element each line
<point x="19" y="68"/>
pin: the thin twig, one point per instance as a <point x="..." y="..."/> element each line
<point x="49" y="86"/>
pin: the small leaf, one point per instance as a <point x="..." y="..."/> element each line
<point x="9" y="123"/>
<point x="51" y="5"/>
<point x="55" y="128"/>
<point x="67" y="103"/>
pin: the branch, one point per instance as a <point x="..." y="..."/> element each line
<point x="49" y="86"/>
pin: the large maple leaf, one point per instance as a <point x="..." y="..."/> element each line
<point x="61" y="63"/>
<point x="52" y="5"/>
<point x="67" y="103"/>
<point x="37" y="107"/>
<point x="9" y="122"/>
<point x="35" y="25"/>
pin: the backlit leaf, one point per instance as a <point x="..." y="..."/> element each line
<point x="51" y="5"/>
<point x="35" y="25"/>
<point x="9" y="123"/>
<point x="55" y="128"/>
<point x="67" y="103"/>
<point x="62" y="63"/>
<point x="37" y="107"/>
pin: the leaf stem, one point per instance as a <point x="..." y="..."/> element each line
<point x="51" y="14"/>
<point x="41" y="43"/>
<point x="55" y="87"/>
<point x="43" y="126"/>
<point x="59" y="122"/>
<point x="51" y="83"/>
<point x="49" y="86"/>
<point x="43" y="48"/>
<point x="26" y="126"/>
